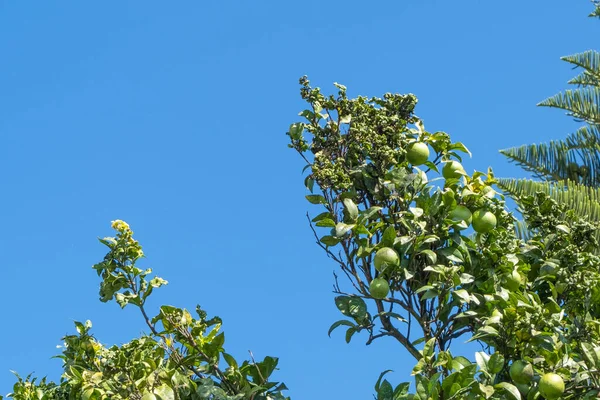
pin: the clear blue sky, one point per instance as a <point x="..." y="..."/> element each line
<point x="172" y="116"/>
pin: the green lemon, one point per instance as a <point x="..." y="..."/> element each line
<point x="386" y="257"/>
<point x="461" y="213"/>
<point x="483" y="221"/>
<point x="521" y="372"/>
<point x="379" y="288"/>
<point x="453" y="170"/>
<point x="513" y="281"/>
<point x="417" y="153"/>
<point x="551" y="386"/>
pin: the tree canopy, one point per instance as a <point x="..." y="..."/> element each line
<point x="429" y="256"/>
<point x="180" y="358"/>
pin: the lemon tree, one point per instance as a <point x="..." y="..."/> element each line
<point x="422" y="243"/>
<point x="182" y="357"/>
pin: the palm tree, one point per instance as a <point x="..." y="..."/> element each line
<point x="569" y="169"/>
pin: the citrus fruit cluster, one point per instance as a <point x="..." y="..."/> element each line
<point x="550" y="385"/>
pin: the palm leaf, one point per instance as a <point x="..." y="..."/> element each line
<point x="588" y="60"/>
<point x="522" y="230"/>
<point x="585" y="79"/>
<point x="583" y="104"/>
<point x="586" y="137"/>
<point x="584" y="200"/>
<point x="576" y="159"/>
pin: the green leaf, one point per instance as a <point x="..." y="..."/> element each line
<point x="326" y="222"/>
<point x="349" y="333"/>
<point x="487" y="390"/>
<point x="386" y="391"/>
<point x="495" y="363"/>
<point x="389" y="235"/>
<point x="364" y="215"/>
<point x="87" y="394"/>
<point x="430" y="294"/>
<point x="511" y="390"/>
<point x="341" y="229"/>
<point x="323" y="215"/>
<point x="309" y="182"/>
<point x="416" y="211"/>
<point x="357" y="308"/>
<point x="316" y="199"/>
<point x="429" y="348"/>
<point x="482" y="360"/>
<point x="401" y="390"/>
<point x="381" y="375"/>
<point x="230" y="360"/>
<point x="164" y="392"/>
<point x="339" y="323"/>
<point x="563" y="228"/>
<point x="350" y="210"/>
<point x="462" y="295"/>
<point x="460" y="147"/>
<point x="430" y="255"/>
<point x="329" y="240"/>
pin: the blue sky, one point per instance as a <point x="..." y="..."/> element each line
<point x="172" y="116"/>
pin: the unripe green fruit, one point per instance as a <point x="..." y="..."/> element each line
<point x="513" y="281"/>
<point x="379" y="288"/>
<point x="483" y="221"/>
<point x="521" y="372"/>
<point x="551" y="386"/>
<point x="386" y="257"/>
<point x="417" y="153"/>
<point x="452" y="170"/>
<point x="461" y="213"/>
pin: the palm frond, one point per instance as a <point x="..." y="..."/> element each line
<point x="575" y="159"/>
<point x="586" y="137"/>
<point x="583" y="104"/>
<point x="596" y="12"/>
<point x="588" y="60"/>
<point x="585" y="79"/>
<point x="584" y="200"/>
<point x="522" y="230"/>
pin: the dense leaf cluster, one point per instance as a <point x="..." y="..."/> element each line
<point x="433" y="258"/>
<point x="181" y="358"/>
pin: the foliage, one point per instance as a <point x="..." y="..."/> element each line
<point x="572" y="164"/>
<point x="596" y="12"/>
<point x="179" y="359"/>
<point x="384" y="219"/>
